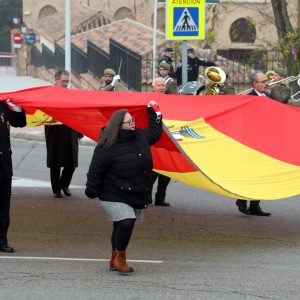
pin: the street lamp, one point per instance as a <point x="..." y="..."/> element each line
<point x="16" y="20"/>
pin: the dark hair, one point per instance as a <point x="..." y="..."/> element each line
<point x="109" y="134"/>
<point x="59" y="73"/>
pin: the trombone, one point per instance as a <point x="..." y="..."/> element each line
<point x="275" y="83"/>
<point x="285" y="81"/>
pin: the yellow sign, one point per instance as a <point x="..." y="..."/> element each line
<point x="185" y="19"/>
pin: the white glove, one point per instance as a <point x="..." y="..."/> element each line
<point x="15" y="107"/>
<point x="115" y="80"/>
<point x="155" y="107"/>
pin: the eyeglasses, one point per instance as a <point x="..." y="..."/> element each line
<point x="130" y="122"/>
<point x="65" y="81"/>
<point x="264" y="81"/>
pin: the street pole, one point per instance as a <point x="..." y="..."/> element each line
<point x="184" y="62"/>
<point x="68" y="37"/>
<point x="154" y="40"/>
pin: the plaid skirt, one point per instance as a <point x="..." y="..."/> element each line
<point x="117" y="211"/>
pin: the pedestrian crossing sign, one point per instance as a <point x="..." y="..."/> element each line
<point x="185" y="19"/>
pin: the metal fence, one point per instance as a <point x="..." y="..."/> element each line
<point x="36" y="57"/>
<point x="136" y="70"/>
<point x="59" y="57"/>
<point x="78" y="60"/>
<point x="48" y="57"/>
<point x="127" y="63"/>
<point x="97" y="60"/>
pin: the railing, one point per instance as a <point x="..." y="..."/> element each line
<point x="7" y="59"/>
<point x="36" y="57"/>
<point x="128" y="64"/>
<point x="78" y="60"/>
<point x="97" y="60"/>
<point x="136" y="70"/>
<point x="48" y="57"/>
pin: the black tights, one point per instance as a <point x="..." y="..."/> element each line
<point x="121" y="234"/>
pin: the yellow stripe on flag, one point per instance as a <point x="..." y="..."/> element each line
<point x="39" y="118"/>
<point x="239" y="172"/>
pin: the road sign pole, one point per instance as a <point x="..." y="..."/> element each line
<point x="68" y="36"/>
<point x="154" y="40"/>
<point x="184" y="56"/>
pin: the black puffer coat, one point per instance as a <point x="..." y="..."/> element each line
<point x="122" y="173"/>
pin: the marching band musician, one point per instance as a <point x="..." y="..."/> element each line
<point x="280" y="92"/>
<point x="164" y="69"/>
<point x="226" y="88"/>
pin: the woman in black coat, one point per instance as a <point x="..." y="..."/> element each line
<point x="120" y="176"/>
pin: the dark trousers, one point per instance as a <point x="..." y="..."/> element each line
<point x="163" y="182"/>
<point x="5" y="194"/>
<point x="60" y="180"/>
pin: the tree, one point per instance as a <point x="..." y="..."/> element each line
<point x="289" y="38"/>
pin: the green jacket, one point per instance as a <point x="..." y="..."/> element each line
<point x="281" y="93"/>
<point x="171" y="87"/>
<point x="226" y="89"/>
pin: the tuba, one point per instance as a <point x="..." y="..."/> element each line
<point x="214" y="77"/>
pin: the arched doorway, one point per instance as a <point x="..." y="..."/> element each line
<point x="123" y="13"/>
<point x="161" y="19"/>
<point x="46" y="11"/>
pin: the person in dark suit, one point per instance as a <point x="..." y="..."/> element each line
<point x="194" y="63"/>
<point x="62" y="148"/>
<point x="259" y="83"/>
<point x="10" y="115"/>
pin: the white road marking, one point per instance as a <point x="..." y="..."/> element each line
<point x="25" y="182"/>
<point x="78" y="259"/>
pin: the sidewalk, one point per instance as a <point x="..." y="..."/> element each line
<point x="10" y="82"/>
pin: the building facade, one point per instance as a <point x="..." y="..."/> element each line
<point x="237" y="24"/>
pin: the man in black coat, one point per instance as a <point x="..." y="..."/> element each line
<point x="259" y="83"/>
<point x="62" y="148"/>
<point x="193" y="66"/>
<point x="10" y="115"/>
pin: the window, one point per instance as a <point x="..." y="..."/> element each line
<point x="242" y="31"/>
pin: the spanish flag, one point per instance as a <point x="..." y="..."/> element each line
<point x="239" y="146"/>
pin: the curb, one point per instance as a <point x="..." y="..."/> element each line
<point x="39" y="136"/>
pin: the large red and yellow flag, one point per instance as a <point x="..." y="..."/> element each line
<point x="239" y="146"/>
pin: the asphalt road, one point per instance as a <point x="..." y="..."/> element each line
<point x="199" y="248"/>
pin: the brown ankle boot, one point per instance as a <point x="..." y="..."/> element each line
<point x="112" y="261"/>
<point x="120" y="262"/>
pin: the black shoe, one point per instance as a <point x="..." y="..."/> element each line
<point x="257" y="211"/>
<point x="66" y="191"/>
<point x="57" y="195"/>
<point x="6" y="249"/>
<point x="242" y="206"/>
<point x="161" y="203"/>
